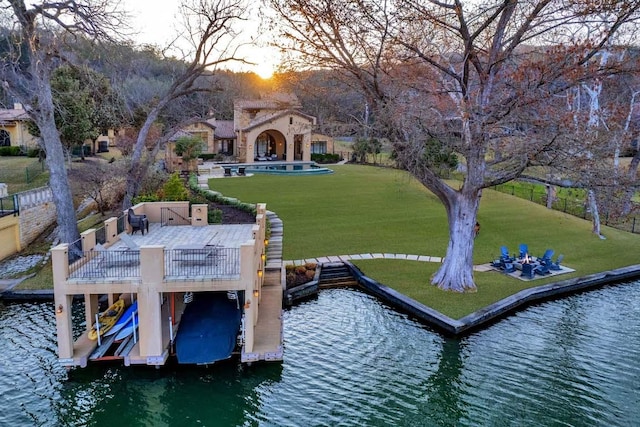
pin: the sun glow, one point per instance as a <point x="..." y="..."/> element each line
<point x="264" y="70"/>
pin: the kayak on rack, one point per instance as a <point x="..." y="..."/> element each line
<point x="106" y="320"/>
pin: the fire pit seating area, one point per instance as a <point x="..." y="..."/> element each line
<point x="528" y="266"/>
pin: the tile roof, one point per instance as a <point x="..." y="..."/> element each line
<point x="11" y="115"/>
<point x="224" y="129"/>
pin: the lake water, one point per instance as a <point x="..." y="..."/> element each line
<point x="352" y="361"/>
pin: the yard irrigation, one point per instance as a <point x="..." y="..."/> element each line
<point x="365" y="209"/>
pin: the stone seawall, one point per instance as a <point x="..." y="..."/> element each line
<point x="37" y="213"/>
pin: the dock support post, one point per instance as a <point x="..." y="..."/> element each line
<point x="149" y="308"/>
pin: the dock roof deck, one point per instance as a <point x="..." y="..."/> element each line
<point x="211" y="251"/>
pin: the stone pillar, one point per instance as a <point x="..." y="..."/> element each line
<point x="149" y="303"/>
<point x="88" y="239"/>
<point x="62" y="301"/>
<point x="199" y="215"/>
<point x="248" y="275"/>
<point x="111" y="230"/>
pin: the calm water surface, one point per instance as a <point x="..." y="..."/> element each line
<point x="351" y="361"/>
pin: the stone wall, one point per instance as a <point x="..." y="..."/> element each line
<point x="37" y="213"/>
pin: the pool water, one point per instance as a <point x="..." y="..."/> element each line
<point x="288" y="168"/>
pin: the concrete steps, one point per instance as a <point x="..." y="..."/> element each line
<point x="336" y="275"/>
<point x="274" y="248"/>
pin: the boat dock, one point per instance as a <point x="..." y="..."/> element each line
<point x="179" y="260"/>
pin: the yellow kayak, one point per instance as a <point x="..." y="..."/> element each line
<point x="107" y="319"/>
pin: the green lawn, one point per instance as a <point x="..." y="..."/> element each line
<point x="363" y="209"/>
<point x="22" y="173"/>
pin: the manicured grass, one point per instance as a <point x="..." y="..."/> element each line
<point x="22" y="173"/>
<point x="362" y="209"/>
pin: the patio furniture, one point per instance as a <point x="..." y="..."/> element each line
<point x="524" y="250"/>
<point x="227" y="171"/>
<point x="556" y="265"/>
<point x="137" y="222"/>
<point x="241" y="170"/>
<point x="546" y="258"/>
<point x="195" y="253"/>
<point x="127" y="240"/>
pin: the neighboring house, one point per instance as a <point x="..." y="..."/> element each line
<point x="270" y="128"/>
<point x="14" y="130"/>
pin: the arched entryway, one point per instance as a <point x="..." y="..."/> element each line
<point x="5" y="138"/>
<point x="270" y="145"/>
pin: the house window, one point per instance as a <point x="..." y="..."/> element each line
<point x="319" y="147"/>
<point x="5" y="138"/>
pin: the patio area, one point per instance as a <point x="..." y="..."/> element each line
<point x="211" y="251"/>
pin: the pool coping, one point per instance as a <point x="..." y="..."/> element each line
<point x="496" y="311"/>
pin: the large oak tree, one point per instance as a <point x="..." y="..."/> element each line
<point x="478" y="76"/>
<point x="37" y="37"/>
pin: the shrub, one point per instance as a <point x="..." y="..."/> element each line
<point x="174" y="189"/>
<point x="325" y="158"/>
<point x="35" y="152"/>
<point x="10" y="151"/>
<point x="214" y="216"/>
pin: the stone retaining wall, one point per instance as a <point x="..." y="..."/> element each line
<point x="37" y="213"/>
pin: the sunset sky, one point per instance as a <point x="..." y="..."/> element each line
<point x="158" y="20"/>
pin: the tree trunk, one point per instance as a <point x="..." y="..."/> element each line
<point x="595" y="215"/>
<point x="136" y="169"/>
<point x="62" y="197"/>
<point x="456" y="273"/>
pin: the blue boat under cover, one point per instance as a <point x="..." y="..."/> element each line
<point x="208" y="329"/>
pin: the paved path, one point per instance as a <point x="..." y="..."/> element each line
<point x="343" y="258"/>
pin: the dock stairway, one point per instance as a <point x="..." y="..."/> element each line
<point x="274" y="248"/>
<point x="336" y="275"/>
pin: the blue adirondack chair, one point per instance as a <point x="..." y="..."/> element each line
<point x="524" y="249"/>
<point x="546" y="258"/>
<point x="542" y="270"/>
<point x="556" y="265"/>
<point x="504" y="254"/>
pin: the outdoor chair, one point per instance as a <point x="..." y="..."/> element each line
<point x="227" y="171"/>
<point x="524" y="250"/>
<point x="542" y="270"/>
<point x="546" y="258"/>
<point x="127" y="240"/>
<point x="504" y="254"/>
<point x="556" y="265"/>
<point x="241" y="170"/>
<point x="137" y="222"/>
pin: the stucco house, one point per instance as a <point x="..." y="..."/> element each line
<point x="14" y="129"/>
<point x="266" y="129"/>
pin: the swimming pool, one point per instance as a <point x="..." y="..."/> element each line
<point x="287" y="168"/>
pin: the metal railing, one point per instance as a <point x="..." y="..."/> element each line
<point x="9" y="205"/>
<point x="106" y="265"/>
<point x="101" y="235"/>
<point x="175" y="216"/>
<point x="74" y="251"/>
<point x="210" y="261"/>
<point x="120" y="224"/>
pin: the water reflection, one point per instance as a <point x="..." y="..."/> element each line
<point x="444" y="387"/>
<point x="350" y="360"/>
